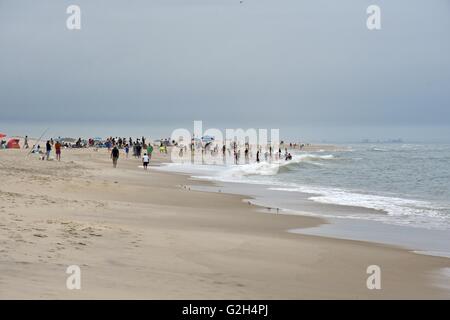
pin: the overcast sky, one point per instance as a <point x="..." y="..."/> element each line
<point x="310" y="67"/>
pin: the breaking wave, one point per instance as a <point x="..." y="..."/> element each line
<point x="265" y="168"/>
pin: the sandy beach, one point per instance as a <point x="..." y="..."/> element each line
<point x="311" y="151"/>
<point x="146" y="235"/>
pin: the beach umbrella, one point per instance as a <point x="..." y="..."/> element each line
<point x="207" y="138"/>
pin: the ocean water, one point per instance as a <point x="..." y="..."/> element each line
<point x="400" y="184"/>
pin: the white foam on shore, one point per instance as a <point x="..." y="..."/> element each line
<point x="434" y="253"/>
<point x="263" y="168"/>
<point x="392" y="210"/>
<point x="407" y="211"/>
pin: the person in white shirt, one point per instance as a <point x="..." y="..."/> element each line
<point x="145" y="160"/>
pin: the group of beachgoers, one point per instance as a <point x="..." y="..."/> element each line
<point x="235" y="151"/>
<point x="143" y="150"/>
<point x="139" y="147"/>
<point x="49" y="146"/>
<point x="269" y="153"/>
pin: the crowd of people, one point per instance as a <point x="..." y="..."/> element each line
<point x="140" y="148"/>
<point x="235" y="151"/>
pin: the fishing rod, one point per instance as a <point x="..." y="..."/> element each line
<point x="37" y="142"/>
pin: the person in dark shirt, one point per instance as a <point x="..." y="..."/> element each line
<point x="115" y="156"/>
<point x="48" y="149"/>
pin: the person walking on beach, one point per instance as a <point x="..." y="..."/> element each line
<point x="48" y="149"/>
<point x="145" y="161"/>
<point x="115" y="156"/>
<point x="149" y="150"/>
<point x="127" y="150"/>
<point x="25" y="145"/>
<point x="58" y="150"/>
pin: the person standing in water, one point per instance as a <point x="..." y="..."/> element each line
<point x="257" y="156"/>
<point x="58" y="150"/>
<point x="115" y="156"/>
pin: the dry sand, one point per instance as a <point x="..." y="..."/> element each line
<point x="143" y="235"/>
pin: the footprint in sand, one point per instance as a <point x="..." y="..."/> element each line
<point x="40" y="235"/>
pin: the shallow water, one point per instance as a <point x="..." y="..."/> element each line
<point x="388" y="193"/>
<point x="407" y="184"/>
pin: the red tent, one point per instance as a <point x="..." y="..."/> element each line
<point x="13" y="144"/>
<point x="2" y="135"/>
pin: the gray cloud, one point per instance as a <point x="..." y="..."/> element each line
<point x="283" y="63"/>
